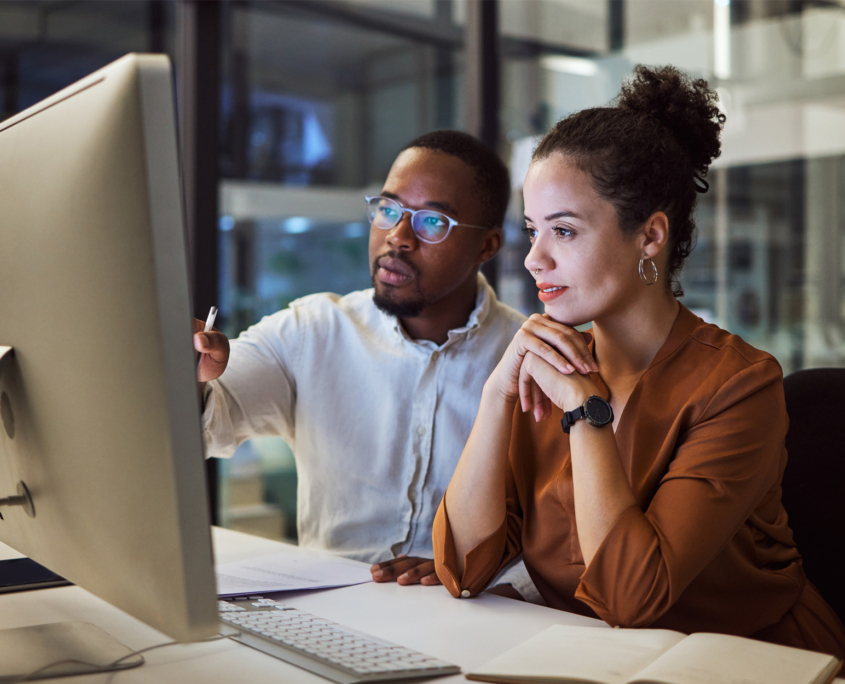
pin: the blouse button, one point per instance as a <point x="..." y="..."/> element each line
<point x="465" y="593"/>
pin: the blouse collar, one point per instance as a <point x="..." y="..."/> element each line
<point x="685" y="322"/>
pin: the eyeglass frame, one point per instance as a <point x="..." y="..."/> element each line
<point x="413" y="212"/>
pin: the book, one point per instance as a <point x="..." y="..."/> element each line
<point x="593" y="655"/>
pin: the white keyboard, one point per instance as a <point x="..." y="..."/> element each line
<point x="324" y="647"/>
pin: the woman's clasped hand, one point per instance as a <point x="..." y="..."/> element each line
<point x="547" y="363"/>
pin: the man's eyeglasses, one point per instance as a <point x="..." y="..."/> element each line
<point x="429" y="226"/>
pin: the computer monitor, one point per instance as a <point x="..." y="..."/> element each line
<point x="99" y="420"/>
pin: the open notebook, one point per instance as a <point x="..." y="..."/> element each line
<point x="625" y="656"/>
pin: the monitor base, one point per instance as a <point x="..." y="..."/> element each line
<point x="26" y="649"/>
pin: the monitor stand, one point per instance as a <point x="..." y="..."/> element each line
<point x="60" y="648"/>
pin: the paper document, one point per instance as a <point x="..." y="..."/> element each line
<point x="289" y="571"/>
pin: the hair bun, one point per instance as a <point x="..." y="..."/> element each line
<point x="686" y="106"/>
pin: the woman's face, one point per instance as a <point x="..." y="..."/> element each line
<point x="588" y="267"/>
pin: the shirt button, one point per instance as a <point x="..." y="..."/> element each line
<point x="465" y="593"/>
<point x="434" y="355"/>
<point x="420" y="430"/>
<point x="412" y="495"/>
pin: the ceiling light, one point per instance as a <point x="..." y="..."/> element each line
<point x="570" y="65"/>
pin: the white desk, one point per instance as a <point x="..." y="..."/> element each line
<point x="465" y="632"/>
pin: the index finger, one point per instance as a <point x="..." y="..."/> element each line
<point x="565" y="339"/>
<point x="588" y="336"/>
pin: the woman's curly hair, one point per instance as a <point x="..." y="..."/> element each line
<point x="649" y="151"/>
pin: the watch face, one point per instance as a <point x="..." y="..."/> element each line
<point x="598" y="410"/>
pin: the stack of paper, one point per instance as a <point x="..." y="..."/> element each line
<point x="289" y="571"/>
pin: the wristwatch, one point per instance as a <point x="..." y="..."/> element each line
<point x="596" y="411"/>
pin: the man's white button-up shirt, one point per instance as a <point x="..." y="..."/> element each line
<point x="377" y="421"/>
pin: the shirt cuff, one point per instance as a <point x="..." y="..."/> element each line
<point x="621" y="562"/>
<point x="481" y="563"/>
<point x="208" y="401"/>
<point x="217" y="428"/>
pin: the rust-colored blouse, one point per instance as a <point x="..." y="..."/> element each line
<point x="707" y="546"/>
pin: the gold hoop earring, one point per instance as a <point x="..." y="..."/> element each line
<point x="653" y="271"/>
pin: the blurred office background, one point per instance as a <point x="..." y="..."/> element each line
<point x="291" y="111"/>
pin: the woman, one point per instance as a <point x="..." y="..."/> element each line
<point x="656" y="500"/>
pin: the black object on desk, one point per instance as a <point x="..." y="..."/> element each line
<point x="22" y="574"/>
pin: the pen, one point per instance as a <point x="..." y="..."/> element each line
<point x="209" y="322"/>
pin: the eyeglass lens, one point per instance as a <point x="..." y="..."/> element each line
<point x="430" y="226"/>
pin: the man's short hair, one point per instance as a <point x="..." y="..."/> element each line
<point x="491" y="174"/>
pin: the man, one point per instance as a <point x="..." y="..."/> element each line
<point x="376" y="392"/>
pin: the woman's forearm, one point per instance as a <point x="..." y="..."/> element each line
<point x="601" y="488"/>
<point x="475" y="499"/>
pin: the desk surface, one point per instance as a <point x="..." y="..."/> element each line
<point x="465" y="632"/>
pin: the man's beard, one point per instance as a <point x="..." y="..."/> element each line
<point x="400" y="309"/>
<point x="406" y="309"/>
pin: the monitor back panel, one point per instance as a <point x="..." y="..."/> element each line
<point x="94" y="298"/>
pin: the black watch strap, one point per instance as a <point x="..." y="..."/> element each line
<point x="571" y="417"/>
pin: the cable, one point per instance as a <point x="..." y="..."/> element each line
<point x="105" y="668"/>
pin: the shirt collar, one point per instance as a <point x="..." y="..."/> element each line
<point x="485" y="300"/>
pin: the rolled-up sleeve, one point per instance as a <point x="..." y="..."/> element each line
<point x="256" y="395"/>
<point x="722" y="469"/>
<point x="484" y="561"/>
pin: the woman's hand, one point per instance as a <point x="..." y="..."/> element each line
<point x="562" y="348"/>
<point x="541" y="384"/>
